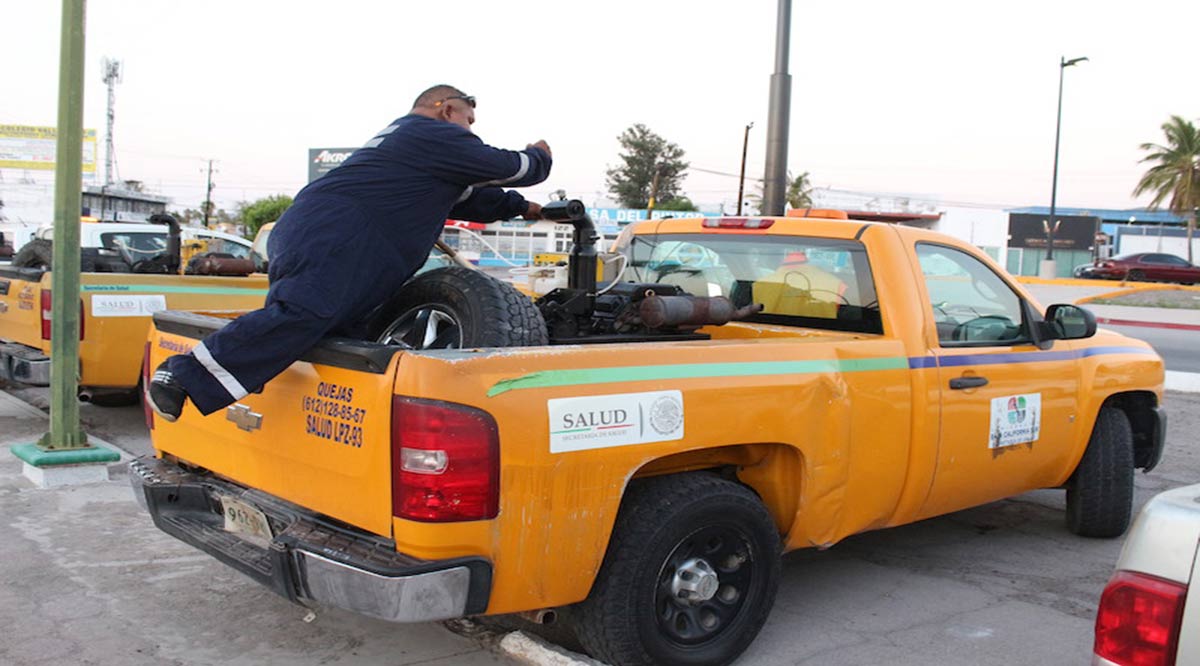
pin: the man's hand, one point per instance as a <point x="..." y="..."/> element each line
<point x="544" y="146"/>
<point x="533" y="211"/>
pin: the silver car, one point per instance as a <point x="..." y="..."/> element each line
<point x="1150" y="611"/>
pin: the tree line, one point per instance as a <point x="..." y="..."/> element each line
<point x="1173" y="178"/>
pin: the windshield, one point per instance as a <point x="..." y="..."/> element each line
<point x="146" y="243"/>
<point x="800" y="281"/>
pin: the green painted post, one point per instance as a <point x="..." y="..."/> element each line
<point x="65" y="431"/>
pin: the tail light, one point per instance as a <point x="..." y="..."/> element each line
<point x="1139" y="620"/>
<point x="445" y="460"/>
<point x="47" y="301"/>
<point x="146" y="387"/>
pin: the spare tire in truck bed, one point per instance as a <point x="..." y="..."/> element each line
<point x="37" y="253"/>
<point x="455" y="308"/>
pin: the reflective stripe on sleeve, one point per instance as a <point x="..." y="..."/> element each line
<point x="227" y="380"/>
<point x="524" y="169"/>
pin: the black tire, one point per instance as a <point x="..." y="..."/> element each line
<point x="37" y="253"/>
<point x="635" y="616"/>
<point x="1100" y="492"/>
<point x="456" y="308"/>
<point x="1137" y="275"/>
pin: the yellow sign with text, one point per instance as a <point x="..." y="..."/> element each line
<point x="29" y="147"/>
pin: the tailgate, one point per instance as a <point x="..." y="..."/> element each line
<point x="319" y="435"/>
<point x="20" y="308"/>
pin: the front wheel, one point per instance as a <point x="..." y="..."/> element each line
<point x="1100" y="492"/>
<point x="689" y="578"/>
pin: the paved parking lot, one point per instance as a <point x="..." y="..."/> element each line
<point x="85" y="578"/>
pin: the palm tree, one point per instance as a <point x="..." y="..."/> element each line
<point x="798" y="195"/>
<point x="1175" y="174"/>
<point x="799" y="191"/>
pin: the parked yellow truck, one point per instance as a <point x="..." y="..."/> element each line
<point x="116" y="305"/>
<point x="650" y="446"/>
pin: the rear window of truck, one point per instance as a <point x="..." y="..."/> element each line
<point x="800" y="281"/>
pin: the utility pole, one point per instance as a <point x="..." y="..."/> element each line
<point x="742" y="177"/>
<point x="1048" y="268"/>
<point x="775" y="178"/>
<point x="208" y="194"/>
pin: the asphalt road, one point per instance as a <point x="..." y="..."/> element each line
<point x="1179" y="349"/>
<point x="999" y="584"/>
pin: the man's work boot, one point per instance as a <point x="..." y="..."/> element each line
<point x="165" y="394"/>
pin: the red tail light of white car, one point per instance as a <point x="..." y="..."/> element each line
<point x="1150" y="611"/>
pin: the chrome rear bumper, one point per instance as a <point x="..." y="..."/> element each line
<point x="310" y="557"/>
<point x="26" y="365"/>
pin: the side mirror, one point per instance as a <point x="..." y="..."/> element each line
<point x="1069" y="322"/>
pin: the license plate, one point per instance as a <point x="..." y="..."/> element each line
<point x="243" y="518"/>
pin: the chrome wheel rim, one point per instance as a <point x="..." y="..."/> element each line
<point x="425" y="327"/>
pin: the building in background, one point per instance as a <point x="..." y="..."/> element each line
<point x="122" y="202"/>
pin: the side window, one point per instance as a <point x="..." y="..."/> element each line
<point x="226" y="246"/>
<point x="140" y="244"/>
<point x="971" y="305"/>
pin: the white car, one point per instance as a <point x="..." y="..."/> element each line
<point x="1150" y="611"/>
<point x="151" y="239"/>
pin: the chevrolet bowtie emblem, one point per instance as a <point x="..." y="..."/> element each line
<point x="243" y="417"/>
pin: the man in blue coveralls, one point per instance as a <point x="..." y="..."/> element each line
<point x="350" y="240"/>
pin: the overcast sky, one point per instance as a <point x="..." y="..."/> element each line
<point x="945" y="99"/>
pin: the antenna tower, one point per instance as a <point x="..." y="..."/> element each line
<point x="112" y="76"/>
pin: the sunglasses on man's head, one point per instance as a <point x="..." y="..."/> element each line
<point x="469" y="99"/>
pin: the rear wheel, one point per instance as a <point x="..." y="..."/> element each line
<point x="1137" y="275"/>
<point x="1100" y="492"/>
<point x="689" y="578"/>
<point x="456" y="308"/>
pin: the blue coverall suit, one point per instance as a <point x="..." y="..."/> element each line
<point x="350" y="240"/>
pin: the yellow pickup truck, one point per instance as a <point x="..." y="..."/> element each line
<point x="632" y="457"/>
<point x="116" y="306"/>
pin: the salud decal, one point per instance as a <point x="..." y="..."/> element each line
<point x="622" y="419"/>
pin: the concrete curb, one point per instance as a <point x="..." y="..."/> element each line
<point x="10" y="403"/>
<point x="534" y="651"/>
<point x="1185" y="382"/>
<point x="1080" y="282"/>
<point x="1109" y="321"/>
<point x="1134" y="290"/>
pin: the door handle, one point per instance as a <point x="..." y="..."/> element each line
<point x="968" y="382"/>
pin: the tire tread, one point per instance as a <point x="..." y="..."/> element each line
<point x="1100" y="492"/>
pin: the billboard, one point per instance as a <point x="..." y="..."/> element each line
<point x="1075" y="232"/>
<point x="29" y="147"/>
<point x="323" y="160"/>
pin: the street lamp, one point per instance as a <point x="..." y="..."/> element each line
<point x="742" y="178"/>
<point x="1048" y="268"/>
